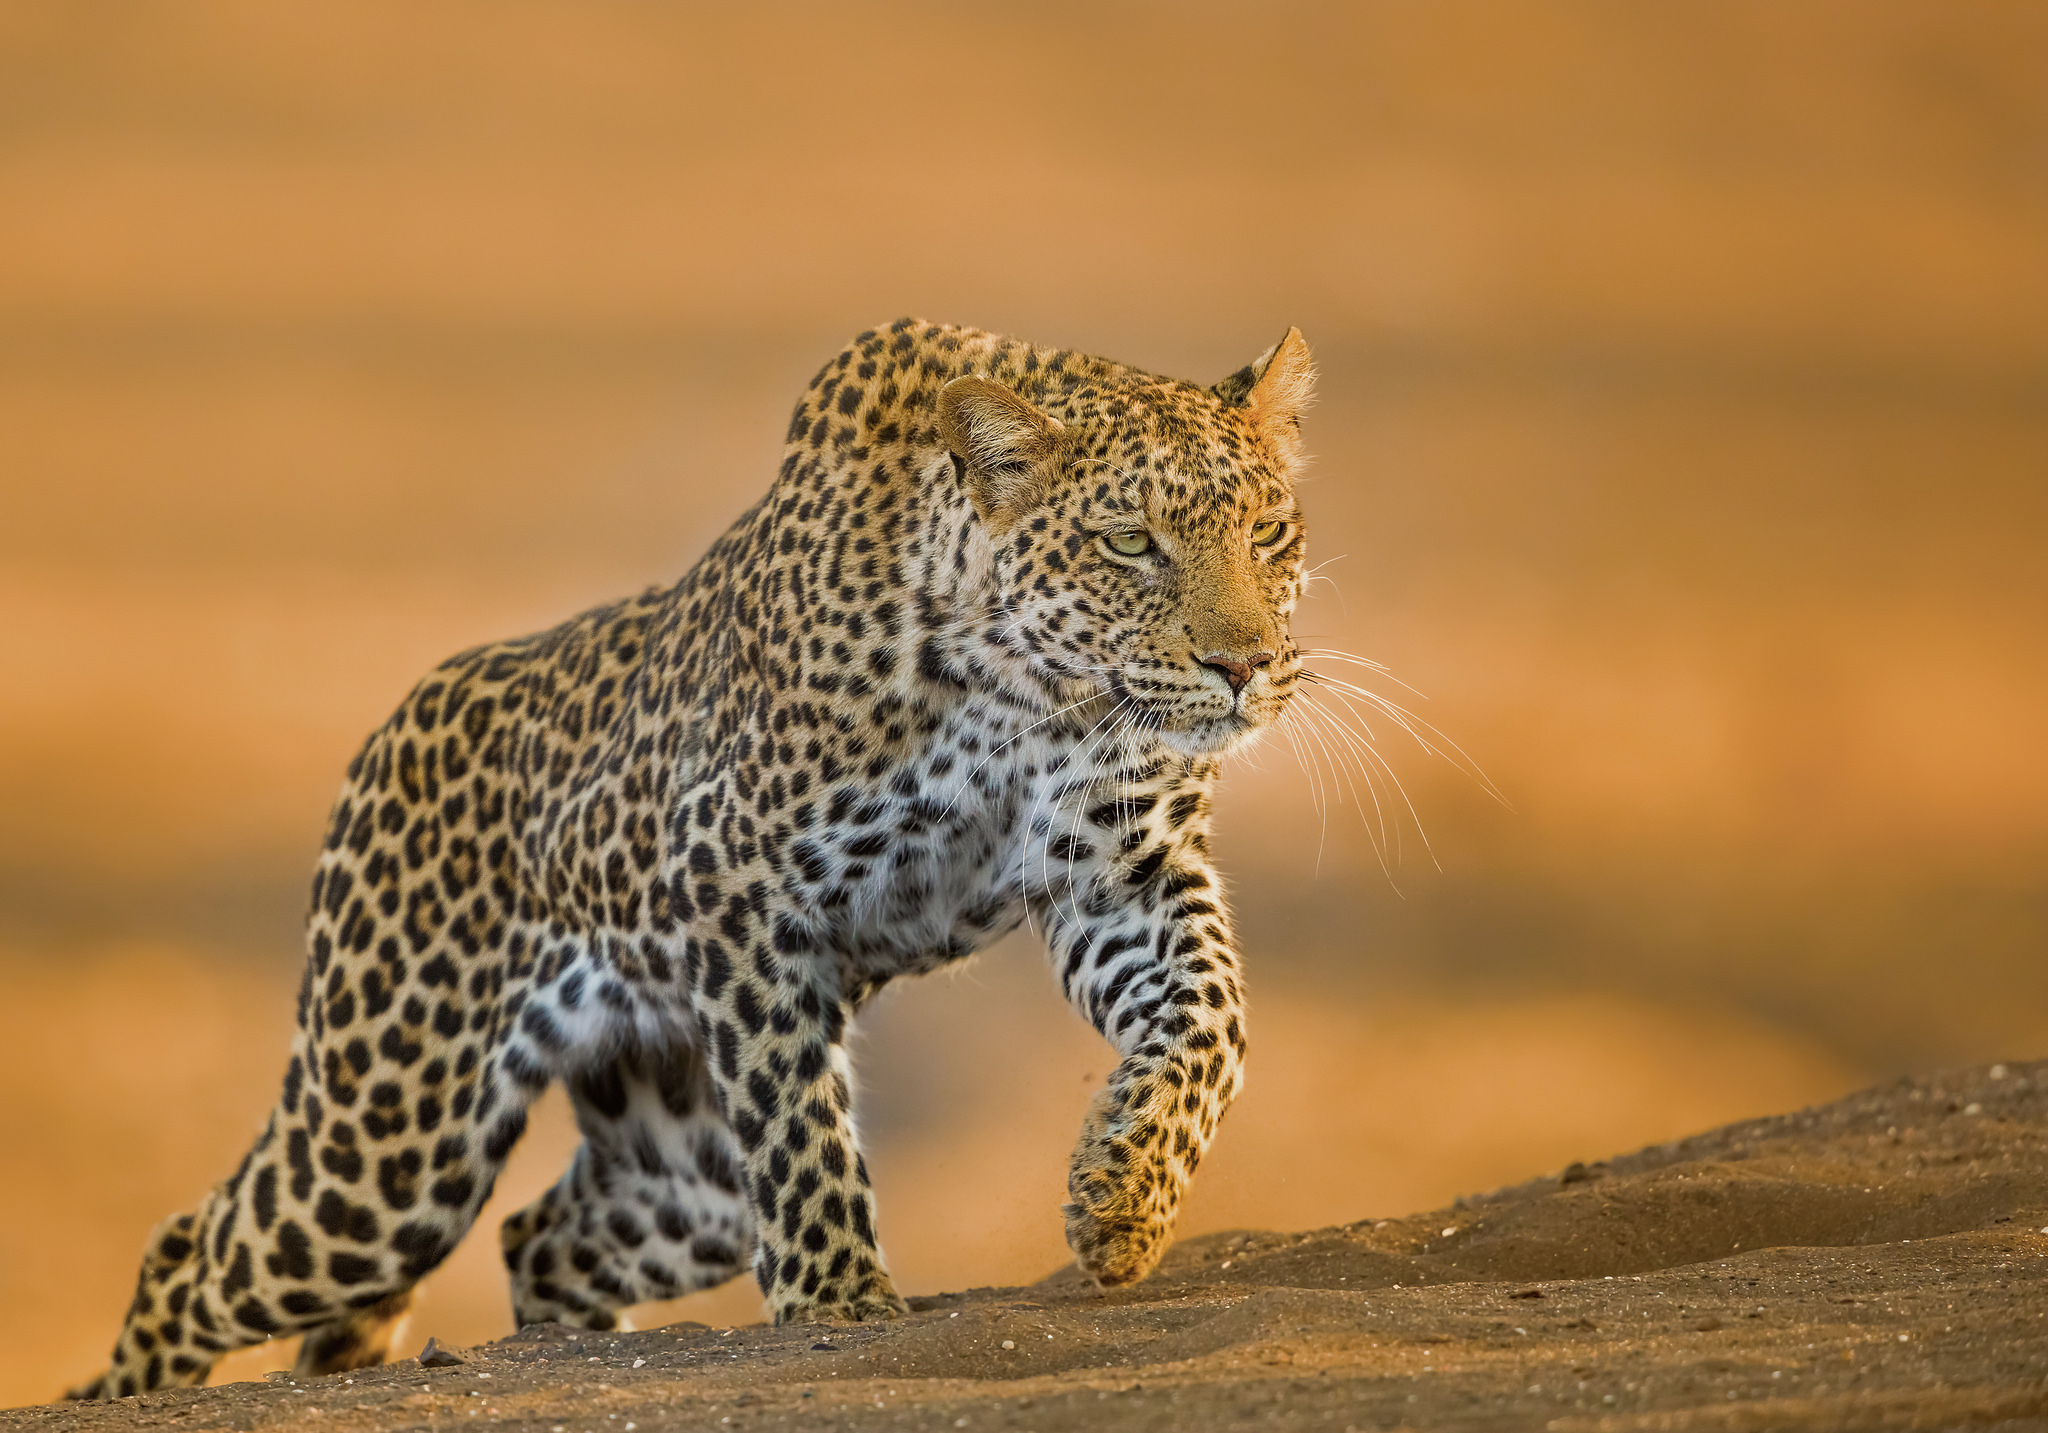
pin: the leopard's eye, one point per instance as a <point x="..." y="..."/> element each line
<point x="1265" y="534"/>
<point x="1130" y="544"/>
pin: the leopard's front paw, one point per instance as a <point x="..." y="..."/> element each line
<point x="1120" y="1220"/>
<point x="872" y="1301"/>
<point x="1113" y="1248"/>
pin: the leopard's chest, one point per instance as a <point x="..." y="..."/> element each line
<point x="942" y="862"/>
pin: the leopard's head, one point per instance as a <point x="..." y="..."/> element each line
<point x="1144" y="537"/>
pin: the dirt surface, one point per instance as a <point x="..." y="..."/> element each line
<point x="1878" y="1262"/>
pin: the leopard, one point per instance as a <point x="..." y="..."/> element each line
<point x="976" y="661"/>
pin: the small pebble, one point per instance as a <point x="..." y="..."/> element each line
<point x="435" y="1356"/>
<point x="1450" y="1231"/>
<point x="1009" y="1343"/>
<point x="638" y="1363"/>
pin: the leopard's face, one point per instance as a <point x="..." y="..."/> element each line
<point x="1168" y="590"/>
<point x="1147" y="545"/>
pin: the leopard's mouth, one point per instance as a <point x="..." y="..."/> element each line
<point x="1189" y="719"/>
<point x="1207" y="731"/>
<point x="1213" y="735"/>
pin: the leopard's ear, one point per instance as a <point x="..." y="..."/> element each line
<point x="1003" y="448"/>
<point x="1276" y="388"/>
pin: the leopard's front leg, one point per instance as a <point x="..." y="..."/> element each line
<point x="1144" y="950"/>
<point x="775" y="1029"/>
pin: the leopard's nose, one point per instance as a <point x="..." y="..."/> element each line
<point x="1237" y="671"/>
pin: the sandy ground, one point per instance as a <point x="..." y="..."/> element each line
<point x="1877" y="1262"/>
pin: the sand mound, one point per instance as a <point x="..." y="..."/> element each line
<point x="1881" y="1261"/>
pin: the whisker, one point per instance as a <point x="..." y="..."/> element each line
<point x="1106" y="463"/>
<point x="1368" y="663"/>
<point x="1350" y="750"/>
<point x="1134" y="725"/>
<point x="1387" y="770"/>
<point x="1304" y="757"/>
<point x="1313" y="575"/>
<point x="1409" y="722"/>
<point x="1019" y="735"/>
<point x="1070" y="763"/>
<point x="1031" y="817"/>
<point x="1337" y="775"/>
<point x="1129" y="713"/>
<point x="1316" y="680"/>
<point x="1371" y="764"/>
<point x="1348" y="743"/>
<point x="1080" y="810"/>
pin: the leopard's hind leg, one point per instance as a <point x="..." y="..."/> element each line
<point x="349" y="1197"/>
<point x="145" y="1356"/>
<point x="651" y="1207"/>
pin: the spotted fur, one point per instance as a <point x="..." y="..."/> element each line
<point x="974" y="660"/>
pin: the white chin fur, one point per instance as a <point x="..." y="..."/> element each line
<point x="1213" y="736"/>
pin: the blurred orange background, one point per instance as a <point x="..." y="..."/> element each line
<point x="1683" y="434"/>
